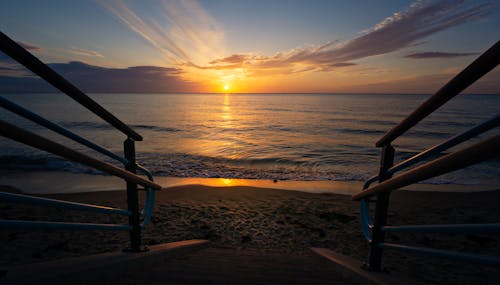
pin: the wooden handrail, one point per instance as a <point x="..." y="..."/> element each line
<point x="482" y="65"/>
<point x="24" y="57"/>
<point x="476" y="153"/>
<point x="34" y="140"/>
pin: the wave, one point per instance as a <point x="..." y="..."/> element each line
<point x="184" y="165"/>
<point x="332" y="167"/>
<point x="410" y="134"/>
<point x="155" y="128"/>
<point x="46" y="162"/>
<point x="360" y="131"/>
<point x="378" y="122"/>
<point x="448" y="124"/>
<point x="279" y="128"/>
<point x="105" y="126"/>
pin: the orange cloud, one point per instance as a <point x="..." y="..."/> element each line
<point x="190" y="39"/>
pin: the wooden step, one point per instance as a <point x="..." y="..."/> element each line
<point x="232" y="266"/>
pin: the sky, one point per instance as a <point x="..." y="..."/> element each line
<point x="279" y="46"/>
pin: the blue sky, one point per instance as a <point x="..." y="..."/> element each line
<point x="262" y="46"/>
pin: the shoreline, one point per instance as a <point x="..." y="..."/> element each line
<point x="57" y="182"/>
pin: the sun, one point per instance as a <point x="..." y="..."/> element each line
<point x="226" y="87"/>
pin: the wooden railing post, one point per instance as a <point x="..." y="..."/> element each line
<point x="381" y="208"/>
<point x="132" y="198"/>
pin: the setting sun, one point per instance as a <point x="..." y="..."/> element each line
<point x="226" y="87"/>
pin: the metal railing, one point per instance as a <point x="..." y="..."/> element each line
<point x="129" y="173"/>
<point x="437" y="164"/>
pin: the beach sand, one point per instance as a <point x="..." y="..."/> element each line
<point x="269" y="220"/>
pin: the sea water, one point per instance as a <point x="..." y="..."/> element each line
<point x="253" y="136"/>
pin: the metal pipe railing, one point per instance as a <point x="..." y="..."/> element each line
<point x="24" y="57"/>
<point x="19" y="198"/>
<point x="34" y="140"/>
<point x="41" y="225"/>
<point x="437" y="149"/>
<point x="365" y="219"/>
<point x="458" y="256"/>
<point x="147" y="212"/>
<point x="57" y="128"/>
<point x="449" y="228"/>
<point x="484" y="150"/>
<point x="18" y="53"/>
<point x="482" y="65"/>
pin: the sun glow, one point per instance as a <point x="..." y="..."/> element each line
<point x="226" y="87"/>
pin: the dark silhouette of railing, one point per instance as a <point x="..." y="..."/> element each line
<point x="489" y="148"/>
<point x="21" y="55"/>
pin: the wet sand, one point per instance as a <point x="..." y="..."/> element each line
<point x="269" y="220"/>
<point x="51" y="182"/>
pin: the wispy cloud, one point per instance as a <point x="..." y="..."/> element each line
<point x="29" y="46"/>
<point x="84" y="52"/>
<point x="401" y="30"/>
<point x="189" y="38"/>
<point x="420" y="20"/>
<point x="191" y="42"/>
<point x="436" y="54"/>
<point x="233" y="59"/>
<point x="185" y="32"/>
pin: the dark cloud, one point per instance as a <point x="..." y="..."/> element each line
<point x="89" y="78"/>
<point x="15" y="84"/>
<point x="343" y="64"/>
<point x="29" y="46"/>
<point x="488" y="84"/>
<point x="435" y="54"/>
<point x="10" y="67"/>
<point x="428" y="84"/>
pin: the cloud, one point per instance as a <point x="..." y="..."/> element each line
<point x="84" y="52"/>
<point x="436" y="54"/>
<point x="420" y="20"/>
<point x="190" y="39"/>
<point x="213" y="67"/>
<point x="15" y="84"/>
<point x="10" y="67"/>
<point x="192" y="43"/>
<point x="343" y="64"/>
<point x="29" y="46"/>
<point x="185" y="32"/>
<point x="428" y="84"/>
<point x="90" y="78"/>
<point x="233" y="59"/>
<point x="401" y="30"/>
<point x="488" y="84"/>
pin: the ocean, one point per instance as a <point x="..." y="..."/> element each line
<point x="253" y="136"/>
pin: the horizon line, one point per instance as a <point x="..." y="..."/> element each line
<point x="254" y="93"/>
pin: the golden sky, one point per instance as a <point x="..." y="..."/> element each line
<point x="257" y="46"/>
